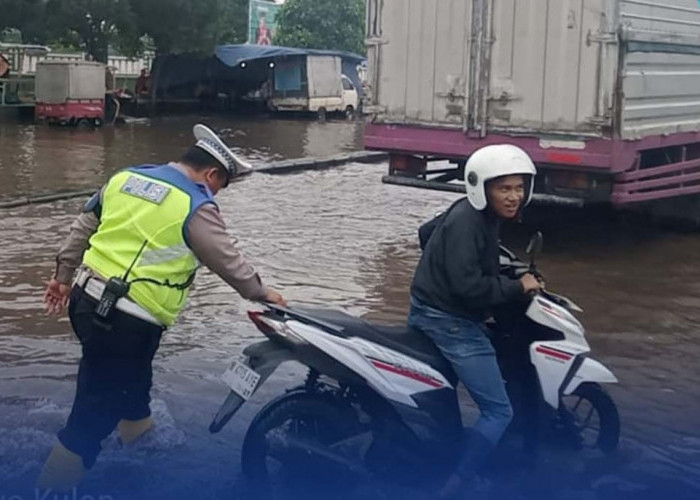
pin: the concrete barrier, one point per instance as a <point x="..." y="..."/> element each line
<point x="46" y="198"/>
<point x="278" y="167"/>
<point x="290" y="166"/>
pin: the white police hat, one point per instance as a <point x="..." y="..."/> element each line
<point x="212" y="144"/>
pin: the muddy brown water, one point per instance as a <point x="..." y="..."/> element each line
<point x="339" y="238"/>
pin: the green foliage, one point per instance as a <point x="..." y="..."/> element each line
<point x="128" y="25"/>
<point x="233" y="21"/>
<point x="178" y="25"/>
<point x="322" y="24"/>
<point x="27" y="16"/>
<point x="94" y="24"/>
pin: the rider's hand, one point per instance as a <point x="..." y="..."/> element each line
<point x="56" y="297"/>
<point x="530" y="283"/>
<point x="275" y="298"/>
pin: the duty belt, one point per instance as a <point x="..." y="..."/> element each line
<point x="94" y="287"/>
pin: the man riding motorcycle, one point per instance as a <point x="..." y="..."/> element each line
<point x="457" y="285"/>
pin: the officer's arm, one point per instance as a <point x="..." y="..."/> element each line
<point x="212" y="245"/>
<point x="70" y="256"/>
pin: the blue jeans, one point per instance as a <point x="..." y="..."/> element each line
<point x="467" y="347"/>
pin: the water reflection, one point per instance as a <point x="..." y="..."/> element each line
<point x="38" y="158"/>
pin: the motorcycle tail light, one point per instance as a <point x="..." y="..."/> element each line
<point x="273" y="328"/>
<point x="259" y="321"/>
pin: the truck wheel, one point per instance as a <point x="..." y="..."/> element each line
<point x="321" y="114"/>
<point x="83" y="123"/>
<point x="350" y="113"/>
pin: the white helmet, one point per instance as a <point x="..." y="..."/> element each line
<point x="494" y="161"/>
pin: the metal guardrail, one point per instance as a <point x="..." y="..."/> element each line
<point x="24" y="58"/>
<point x="123" y="66"/>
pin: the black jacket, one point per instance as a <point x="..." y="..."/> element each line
<point x="459" y="271"/>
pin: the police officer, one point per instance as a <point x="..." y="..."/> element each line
<point x="140" y="240"/>
<point x="457" y="286"/>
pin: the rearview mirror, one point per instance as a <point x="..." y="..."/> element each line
<point x="534" y="248"/>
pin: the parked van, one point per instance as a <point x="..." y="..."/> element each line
<point x="312" y="83"/>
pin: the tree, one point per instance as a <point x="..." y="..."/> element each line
<point x="97" y="25"/>
<point x="177" y="25"/>
<point x="233" y="21"/>
<point x="191" y="25"/>
<point x="322" y="24"/>
<point x="27" y="16"/>
<point x="93" y="24"/>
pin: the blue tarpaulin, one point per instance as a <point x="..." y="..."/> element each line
<point x="234" y="55"/>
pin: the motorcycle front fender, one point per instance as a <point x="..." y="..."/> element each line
<point x="590" y="371"/>
<point x="263" y="357"/>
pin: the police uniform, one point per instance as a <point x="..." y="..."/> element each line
<point x="150" y="226"/>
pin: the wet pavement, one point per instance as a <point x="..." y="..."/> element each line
<point x="339" y="238"/>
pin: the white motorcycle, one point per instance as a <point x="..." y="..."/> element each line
<point x="381" y="401"/>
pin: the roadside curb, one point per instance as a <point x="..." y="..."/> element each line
<point x="46" y="198"/>
<point x="273" y="168"/>
<point x="290" y="166"/>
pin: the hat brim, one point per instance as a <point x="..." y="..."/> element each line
<point x="212" y="144"/>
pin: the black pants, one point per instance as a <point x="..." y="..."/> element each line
<point x="114" y="377"/>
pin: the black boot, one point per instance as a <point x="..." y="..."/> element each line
<point x="476" y="452"/>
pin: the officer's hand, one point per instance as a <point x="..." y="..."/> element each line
<point x="530" y="284"/>
<point x="275" y="298"/>
<point x="56" y="296"/>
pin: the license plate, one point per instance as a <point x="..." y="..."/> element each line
<point x="241" y="379"/>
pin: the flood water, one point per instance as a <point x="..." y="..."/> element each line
<point x="339" y="238"/>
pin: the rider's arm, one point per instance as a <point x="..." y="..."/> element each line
<point x="70" y="255"/>
<point x="466" y="250"/>
<point x="214" y="248"/>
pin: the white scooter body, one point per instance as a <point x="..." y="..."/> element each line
<point x="561" y="365"/>
<point x="392" y="374"/>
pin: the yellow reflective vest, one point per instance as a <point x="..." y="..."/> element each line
<point x="143" y="230"/>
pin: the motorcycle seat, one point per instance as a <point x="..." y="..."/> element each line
<point x="402" y="339"/>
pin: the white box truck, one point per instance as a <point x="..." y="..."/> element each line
<point x="70" y="92"/>
<point x="604" y="94"/>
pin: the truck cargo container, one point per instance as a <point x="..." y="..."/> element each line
<point x="70" y="92"/>
<point x="603" y="94"/>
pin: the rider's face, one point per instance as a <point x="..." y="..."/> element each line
<point x="506" y="195"/>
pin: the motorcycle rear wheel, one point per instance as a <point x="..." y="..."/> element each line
<point x="271" y="471"/>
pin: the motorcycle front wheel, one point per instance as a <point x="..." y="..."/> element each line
<point x="591" y="416"/>
<point x="278" y="456"/>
